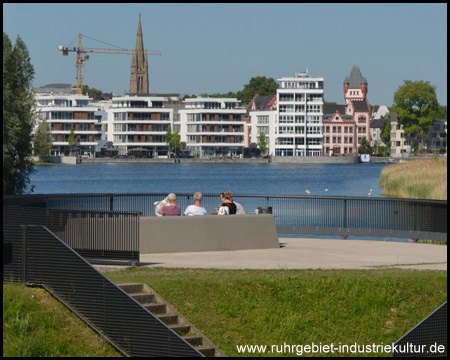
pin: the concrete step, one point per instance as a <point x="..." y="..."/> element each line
<point x="208" y="351"/>
<point x="144" y="298"/>
<point x="194" y="340"/>
<point x="156" y="309"/>
<point x="168" y="319"/>
<point x="180" y="329"/>
<point x="159" y="307"/>
<point x="132" y="288"/>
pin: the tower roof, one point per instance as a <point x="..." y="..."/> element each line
<point x="139" y="38"/>
<point x="355" y="79"/>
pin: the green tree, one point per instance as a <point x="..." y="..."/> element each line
<point x="43" y="142"/>
<point x="364" y="146"/>
<point x="172" y="139"/>
<point x="417" y="107"/>
<point x="262" y="143"/>
<point x="386" y="131"/>
<point x="72" y="139"/>
<point x="442" y="112"/>
<point x="258" y="85"/>
<point x="18" y="117"/>
<point x="87" y="90"/>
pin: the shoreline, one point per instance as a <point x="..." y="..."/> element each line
<point x="272" y="160"/>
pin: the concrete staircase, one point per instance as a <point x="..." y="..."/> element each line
<point x="159" y="307"/>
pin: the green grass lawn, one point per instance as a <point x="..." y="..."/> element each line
<point x="297" y="307"/>
<point x="243" y="307"/>
<point x="36" y="325"/>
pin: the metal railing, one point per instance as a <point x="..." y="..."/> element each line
<point x="92" y="233"/>
<point x="319" y="215"/>
<point x="34" y="255"/>
<point x="426" y="339"/>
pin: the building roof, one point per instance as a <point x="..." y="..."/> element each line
<point x="355" y="79"/>
<point x="60" y="89"/>
<point x="331" y="107"/>
<point x="360" y="105"/>
<point x="262" y="101"/>
<point x="378" y="123"/>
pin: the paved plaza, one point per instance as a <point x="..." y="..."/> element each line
<point x="306" y="253"/>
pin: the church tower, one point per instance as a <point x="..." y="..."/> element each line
<point x="139" y="66"/>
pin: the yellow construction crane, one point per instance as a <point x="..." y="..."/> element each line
<point x="81" y="57"/>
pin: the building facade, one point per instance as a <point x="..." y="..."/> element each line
<point x="345" y="126"/>
<point x="403" y="144"/>
<point x="298" y="128"/>
<point x="138" y="125"/>
<point x="261" y="115"/>
<point x="436" y="140"/>
<point x="62" y="111"/>
<point x="213" y="127"/>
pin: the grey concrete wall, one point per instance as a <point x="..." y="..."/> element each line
<point x="69" y="160"/>
<point x="206" y="233"/>
<point x="273" y="160"/>
<point x="315" y="159"/>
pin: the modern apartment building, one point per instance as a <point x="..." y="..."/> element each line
<point x="298" y="128"/>
<point x="61" y="110"/>
<point x="403" y="144"/>
<point x="261" y="115"/>
<point x="213" y="127"/>
<point x="436" y="140"/>
<point x="138" y="124"/>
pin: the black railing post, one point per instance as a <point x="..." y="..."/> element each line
<point x="24" y="253"/>
<point x="111" y="202"/>
<point x="345" y="219"/>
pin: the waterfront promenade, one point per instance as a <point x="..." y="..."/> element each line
<point x="305" y="253"/>
<point x="271" y="160"/>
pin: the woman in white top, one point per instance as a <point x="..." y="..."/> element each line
<point x="197" y="209"/>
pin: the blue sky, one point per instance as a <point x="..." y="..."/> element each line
<point x="216" y="48"/>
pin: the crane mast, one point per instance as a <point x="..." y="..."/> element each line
<point x="81" y="57"/>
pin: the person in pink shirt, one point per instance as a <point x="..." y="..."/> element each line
<point x="172" y="209"/>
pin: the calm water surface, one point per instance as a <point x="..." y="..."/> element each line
<point x="251" y="179"/>
<point x="240" y="179"/>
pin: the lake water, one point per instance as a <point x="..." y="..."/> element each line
<point x="240" y="179"/>
<point x="243" y="179"/>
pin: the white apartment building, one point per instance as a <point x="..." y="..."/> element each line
<point x="62" y="110"/>
<point x="298" y="129"/>
<point x="213" y="127"/>
<point x="138" y="124"/>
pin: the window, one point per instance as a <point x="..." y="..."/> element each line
<point x="286" y="119"/>
<point x="263" y="119"/>
<point x="286" y="130"/>
<point x="286" y="108"/>
<point x="286" y="97"/>
<point x="284" y="141"/>
<point x="299" y="119"/>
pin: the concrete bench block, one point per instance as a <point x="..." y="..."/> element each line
<point x="206" y="233"/>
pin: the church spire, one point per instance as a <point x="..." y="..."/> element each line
<point x="139" y="66"/>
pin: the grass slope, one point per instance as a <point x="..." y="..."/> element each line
<point x="36" y="325"/>
<point x="297" y="307"/>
